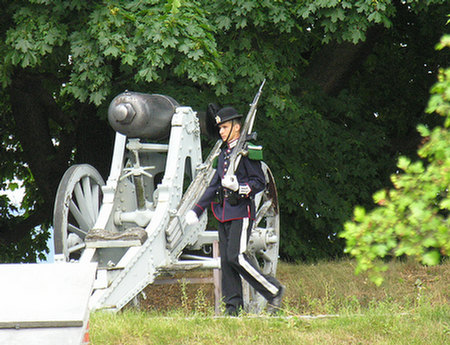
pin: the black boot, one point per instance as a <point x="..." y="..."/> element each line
<point x="274" y="304"/>
<point x="232" y="311"/>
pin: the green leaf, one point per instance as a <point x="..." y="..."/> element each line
<point x="196" y="54"/>
<point x="377" y="279"/>
<point x="431" y="258"/>
<point x="13" y="186"/>
<point x="403" y="163"/>
<point x="96" y="97"/>
<point x="337" y="15"/>
<point x="129" y="59"/>
<point x="112" y="50"/>
<point x="23" y="45"/>
<point x="224" y="22"/>
<point x="375" y="17"/>
<point x="170" y="42"/>
<point x="357" y="35"/>
<point x="430" y="242"/>
<point x="359" y="213"/>
<point x="380" y="197"/>
<point x="423" y="130"/>
<point x="445" y="204"/>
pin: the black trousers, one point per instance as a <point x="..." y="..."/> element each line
<point x="233" y="239"/>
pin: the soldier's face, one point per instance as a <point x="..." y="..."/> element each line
<point x="229" y="131"/>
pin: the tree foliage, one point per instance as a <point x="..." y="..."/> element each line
<point x="412" y="218"/>
<point x="330" y="66"/>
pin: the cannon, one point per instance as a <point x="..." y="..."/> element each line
<point x="132" y="226"/>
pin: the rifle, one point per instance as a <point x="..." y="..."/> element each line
<point x="246" y="131"/>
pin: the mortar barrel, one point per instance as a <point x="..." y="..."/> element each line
<point x="141" y="115"/>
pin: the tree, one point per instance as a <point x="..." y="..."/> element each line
<point x="412" y="218"/>
<point x="325" y="61"/>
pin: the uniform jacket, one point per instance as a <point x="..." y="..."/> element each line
<point x="251" y="181"/>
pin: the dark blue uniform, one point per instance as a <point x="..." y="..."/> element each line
<point x="251" y="181"/>
<point x="236" y="214"/>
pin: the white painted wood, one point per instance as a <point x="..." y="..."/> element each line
<point x="44" y="303"/>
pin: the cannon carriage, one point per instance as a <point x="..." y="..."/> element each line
<point x="133" y="224"/>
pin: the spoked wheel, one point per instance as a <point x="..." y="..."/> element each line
<point x="76" y="209"/>
<point x="263" y="246"/>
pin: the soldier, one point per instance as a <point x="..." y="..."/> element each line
<point x="235" y="211"/>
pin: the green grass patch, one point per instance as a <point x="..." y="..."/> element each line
<point x="411" y="307"/>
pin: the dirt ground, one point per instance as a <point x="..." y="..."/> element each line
<point x="179" y="293"/>
<point x="311" y="288"/>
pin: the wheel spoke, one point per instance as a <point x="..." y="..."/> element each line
<point x="77" y="231"/>
<point x="79" y="217"/>
<point x="87" y="190"/>
<point x="258" y="198"/>
<point x="264" y="256"/>
<point x="262" y="211"/>
<point x="76" y="248"/>
<point x="76" y="208"/>
<point x="95" y="199"/>
<point x="82" y="203"/>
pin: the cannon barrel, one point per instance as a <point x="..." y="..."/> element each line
<point x="141" y="115"/>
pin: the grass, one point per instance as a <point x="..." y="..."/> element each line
<point x="411" y="307"/>
<point x="332" y="287"/>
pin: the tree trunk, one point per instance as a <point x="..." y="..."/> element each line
<point x="32" y="107"/>
<point x="332" y="65"/>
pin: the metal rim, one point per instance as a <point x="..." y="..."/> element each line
<point x="76" y="209"/>
<point x="264" y="240"/>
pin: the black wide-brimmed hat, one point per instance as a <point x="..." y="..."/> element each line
<point x="226" y="114"/>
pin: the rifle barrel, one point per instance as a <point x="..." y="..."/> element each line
<point x="245" y="130"/>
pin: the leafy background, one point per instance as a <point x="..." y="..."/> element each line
<point x="347" y="85"/>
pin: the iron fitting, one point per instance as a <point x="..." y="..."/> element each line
<point x="124" y="113"/>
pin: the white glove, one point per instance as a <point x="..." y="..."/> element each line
<point x="230" y="182"/>
<point x="191" y="217"/>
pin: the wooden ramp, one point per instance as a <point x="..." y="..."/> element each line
<point x="45" y="303"/>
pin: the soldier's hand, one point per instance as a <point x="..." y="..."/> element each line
<point x="230" y="182"/>
<point x="191" y="218"/>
